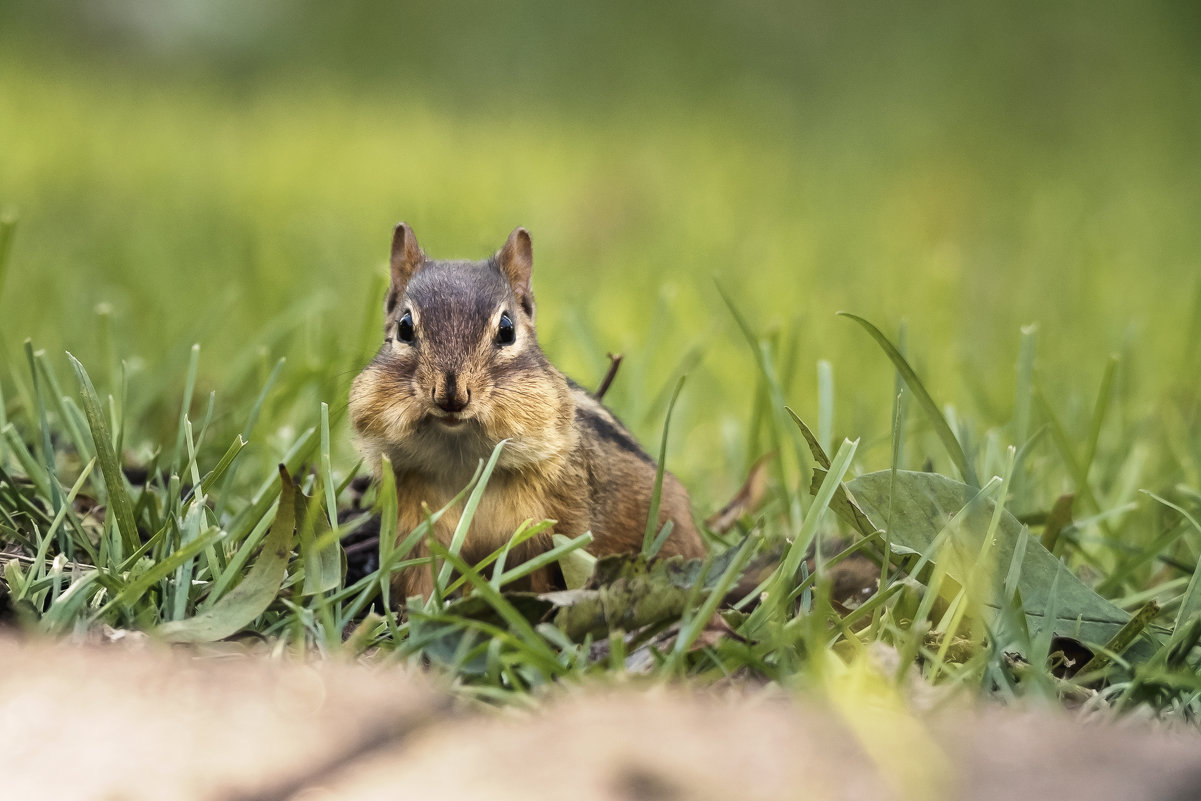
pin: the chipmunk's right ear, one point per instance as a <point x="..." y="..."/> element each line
<point x="516" y="262"/>
<point x="406" y="256"/>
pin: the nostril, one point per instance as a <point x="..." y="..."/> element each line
<point x="453" y="402"/>
<point x="452" y="396"/>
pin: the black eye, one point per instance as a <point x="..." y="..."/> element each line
<point x="404" y="328"/>
<point x="506" y="332"/>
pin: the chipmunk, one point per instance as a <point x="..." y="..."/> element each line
<point x="459" y="371"/>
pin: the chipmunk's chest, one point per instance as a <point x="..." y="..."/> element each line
<point x="506" y="503"/>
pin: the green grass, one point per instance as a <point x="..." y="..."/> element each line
<point x="1015" y="223"/>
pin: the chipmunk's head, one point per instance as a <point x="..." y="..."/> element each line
<point x="460" y="367"/>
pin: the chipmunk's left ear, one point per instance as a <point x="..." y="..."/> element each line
<point x="406" y="259"/>
<point x="516" y="261"/>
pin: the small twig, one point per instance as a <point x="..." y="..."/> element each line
<point x="614" y="363"/>
<point x="1122" y="640"/>
<point x="49" y="561"/>
<point x="362" y="545"/>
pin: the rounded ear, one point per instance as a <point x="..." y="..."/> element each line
<point x="406" y="256"/>
<point x="516" y="262"/>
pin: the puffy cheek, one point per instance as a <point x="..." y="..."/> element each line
<point x="520" y="408"/>
<point x="380" y="406"/>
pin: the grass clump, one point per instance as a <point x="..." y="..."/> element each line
<point x="969" y="583"/>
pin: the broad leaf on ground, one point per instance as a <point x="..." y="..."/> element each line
<point x="257" y="590"/>
<point x="916" y="507"/>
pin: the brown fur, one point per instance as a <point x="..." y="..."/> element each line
<point x="438" y="405"/>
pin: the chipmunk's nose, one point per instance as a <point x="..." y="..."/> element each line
<point x="449" y="393"/>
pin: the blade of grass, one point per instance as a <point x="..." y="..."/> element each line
<point x="1190" y="603"/>
<point x="34" y="470"/>
<point x="181" y="588"/>
<point x="327" y="469"/>
<point x="1059" y="518"/>
<point x="937" y="420"/>
<point x="192" y="469"/>
<point x="785" y="573"/>
<point x="1132" y="562"/>
<point x="982" y="563"/>
<point x="235" y="566"/>
<point x="473" y="502"/>
<point x="772" y="416"/>
<point x="104" y="342"/>
<point x="539" y="652"/>
<point x="64" y="609"/>
<point x="185" y="406"/>
<point x="320" y="555"/>
<point x="214" y="475"/>
<point x="900" y="414"/>
<point x="1022" y="403"/>
<point x="694" y="623"/>
<point x="1121" y="641"/>
<point x="134" y="590"/>
<point x="116" y="416"/>
<point x="660" y="538"/>
<point x="257" y="590"/>
<point x="247" y="431"/>
<point x="1041" y="644"/>
<point x="8" y="231"/>
<point x="1098" y="419"/>
<point x="842" y="503"/>
<point x="578" y="568"/>
<point x="525" y="532"/>
<point x="1066" y="450"/>
<point x="43" y="547"/>
<point x="652" y="518"/>
<point x="69" y="421"/>
<point x="389" y="521"/>
<point x="391" y="563"/>
<point x="56" y="498"/>
<point x="268" y="491"/>
<point x="825" y="404"/>
<point x="547" y="557"/>
<point x="110" y="468"/>
<point x="685" y="365"/>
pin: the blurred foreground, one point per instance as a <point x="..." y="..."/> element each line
<point x="143" y="723"/>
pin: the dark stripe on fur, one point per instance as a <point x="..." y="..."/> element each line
<point x="606" y="430"/>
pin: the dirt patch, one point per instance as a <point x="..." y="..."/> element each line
<point x="108" y="722"/>
<point x="114" y="723"/>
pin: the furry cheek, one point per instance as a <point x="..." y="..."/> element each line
<point x="515" y="414"/>
<point x="380" y="408"/>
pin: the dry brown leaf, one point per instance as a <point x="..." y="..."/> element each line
<point x="749" y="497"/>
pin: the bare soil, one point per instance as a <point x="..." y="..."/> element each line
<point x="138" y="721"/>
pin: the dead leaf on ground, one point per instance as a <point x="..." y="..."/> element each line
<point x="745" y="502"/>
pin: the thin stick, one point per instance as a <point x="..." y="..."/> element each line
<point x="614" y="363"/>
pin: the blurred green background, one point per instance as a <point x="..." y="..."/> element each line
<point x="228" y="173"/>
